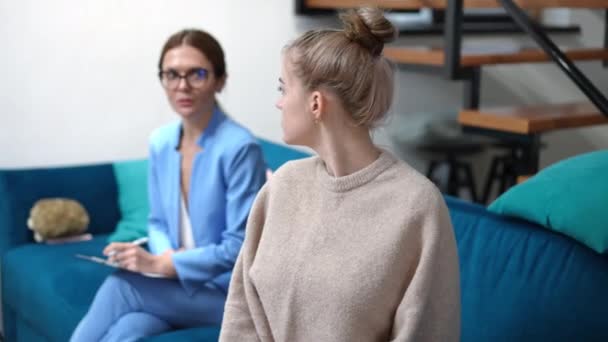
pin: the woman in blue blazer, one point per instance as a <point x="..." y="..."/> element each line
<point x="205" y="171"/>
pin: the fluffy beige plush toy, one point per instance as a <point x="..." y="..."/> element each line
<point x="54" y="218"/>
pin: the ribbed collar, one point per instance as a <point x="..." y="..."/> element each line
<point x="356" y="179"/>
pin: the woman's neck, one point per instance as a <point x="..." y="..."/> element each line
<point x="346" y="151"/>
<point x="193" y="126"/>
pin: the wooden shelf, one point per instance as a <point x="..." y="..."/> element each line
<point x="439" y="4"/>
<point x="521" y="179"/>
<point x="488" y="55"/>
<point x="533" y="119"/>
<point x="481" y="28"/>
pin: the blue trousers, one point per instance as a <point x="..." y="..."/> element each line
<point x="129" y="306"/>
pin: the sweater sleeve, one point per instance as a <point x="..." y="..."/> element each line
<point x="244" y="319"/>
<point x="430" y="307"/>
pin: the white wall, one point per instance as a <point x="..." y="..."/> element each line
<point x="78" y="77"/>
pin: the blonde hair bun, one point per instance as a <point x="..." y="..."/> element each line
<point x="368" y="27"/>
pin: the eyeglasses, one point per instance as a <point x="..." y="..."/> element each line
<point x="194" y="78"/>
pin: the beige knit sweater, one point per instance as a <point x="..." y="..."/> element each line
<point x="366" y="257"/>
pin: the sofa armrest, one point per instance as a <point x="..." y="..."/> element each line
<point x="94" y="186"/>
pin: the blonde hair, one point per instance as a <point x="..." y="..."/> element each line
<point x="349" y="63"/>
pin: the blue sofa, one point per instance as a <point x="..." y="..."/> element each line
<point x="522" y="282"/>
<point x="45" y="289"/>
<point x="519" y="281"/>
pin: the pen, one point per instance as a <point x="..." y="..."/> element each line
<point x="137" y="242"/>
<point x="97" y="259"/>
<point x="140" y="241"/>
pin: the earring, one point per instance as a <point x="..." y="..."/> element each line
<point x="316" y="121"/>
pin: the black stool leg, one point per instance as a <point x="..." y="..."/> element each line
<point x="487" y="189"/>
<point x="452" y="178"/>
<point x="431" y="169"/>
<point x="505" y="174"/>
<point x="511" y="177"/>
<point x="470" y="181"/>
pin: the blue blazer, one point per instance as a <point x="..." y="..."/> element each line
<point x="226" y="176"/>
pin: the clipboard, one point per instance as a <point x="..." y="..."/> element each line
<point x="115" y="265"/>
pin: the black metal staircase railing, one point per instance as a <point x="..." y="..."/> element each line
<point x="471" y="75"/>
<point x="541" y="38"/>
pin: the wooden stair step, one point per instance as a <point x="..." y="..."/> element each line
<point x="440" y="4"/>
<point x="533" y="119"/>
<point x="486" y="54"/>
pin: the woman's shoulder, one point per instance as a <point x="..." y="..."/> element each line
<point x="411" y="203"/>
<point x="231" y="139"/>
<point x="407" y="185"/>
<point x="233" y="132"/>
<point x="299" y="168"/>
<point x="165" y="135"/>
<point x="293" y="176"/>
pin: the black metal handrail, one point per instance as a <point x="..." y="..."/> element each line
<point x="536" y="32"/>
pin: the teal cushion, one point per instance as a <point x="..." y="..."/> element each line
<point x="569" y="197"/>
<point x="276" y="154"/>
<point x="132" y="181"/>
<point x="26" y="333"/>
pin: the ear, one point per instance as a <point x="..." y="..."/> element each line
<point x="317" y="105"/>
<point x="220" y="84"/>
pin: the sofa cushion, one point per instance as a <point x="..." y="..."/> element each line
<point x="93" y="186"/>
<point x="47" y="285"/>
<point x="276" y="154"/>
<point x="569" y="197"/>
<point x="132" y="181"/>
<point x="521" y="282"/>
<point x="26" y="333"/>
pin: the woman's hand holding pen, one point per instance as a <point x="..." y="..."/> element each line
<point x="132" y="257"/>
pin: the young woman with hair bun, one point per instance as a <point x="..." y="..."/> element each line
<point x="352" y="244"/>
